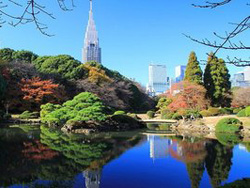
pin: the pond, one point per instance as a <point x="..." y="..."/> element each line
<point x="38" y="156"/>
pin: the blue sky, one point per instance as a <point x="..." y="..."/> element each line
<point x="133" y="33"/>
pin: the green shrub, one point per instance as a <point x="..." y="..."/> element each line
<point x="228" y="125"/>
<point x="48" y="108"/>
<point x="214" y="111"/>
<point x="177" y="116"/>
<point x="236" y="110"/>
<point x="84" y="107"/>
<point x="247" y="111"/>
<point x="242" y="113"/>
<point x="226" y="111"/>
<point x="119" y="113"/>
<point x="150" y="114"/>
<point x="166" y="114"/>
<point x="205" y="113"/>
<point x="28" y="115"/>
<point x="194" y="113"/>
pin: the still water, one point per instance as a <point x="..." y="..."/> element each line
<point x="44" y="157"/>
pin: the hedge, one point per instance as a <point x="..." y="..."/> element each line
<point x="228" y="125"/>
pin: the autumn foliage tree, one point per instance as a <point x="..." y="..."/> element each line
<point x="192" y="97"/>
<point x="39" y="91"/>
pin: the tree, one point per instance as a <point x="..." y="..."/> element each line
<point x="193" y="71"/>
<point x="39" y="91"/>
<point x="191" y="97"/>
<point x="84" y="107"/>
<point x="241" y="97"/>
<point x="64" y="66"/>
<point x="164" y="102"/>
<point x="24" y="56"/>
<point x="6" y="54"/>
<point x="226" y="42"/>
<point x="217" y="82"/>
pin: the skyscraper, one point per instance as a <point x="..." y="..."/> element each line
<point x="91" y="50"/>
<point x="180" y="73"/>
<point x="157" y="79"/>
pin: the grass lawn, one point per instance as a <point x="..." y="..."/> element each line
<point x="214" y="120"/>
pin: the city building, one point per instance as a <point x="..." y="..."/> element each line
<point x="91" y="50"/>
<point x="247" y="74"/>
<point x="158" y="81"/>
<point x="179" y="73"/>
<point x="241" y="79"/>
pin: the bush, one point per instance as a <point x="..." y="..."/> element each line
<point x="119" y="113"/>
<point x="177" y="116"/>
<point x="29" y="115"/>
<point x="226" y="111"/>
<point x="205" y="113"/>
<point x="228" y="125"/>
<point x="214" y="111"/>
<point x="236" y="110"/>
<point x="194" y="113"/>
<point x="247" y="111"/>
<point x="84" y="107"/>
<point x="166" y="114"/>
<point x="242" y="113"/>
<point x="151" y="114"/>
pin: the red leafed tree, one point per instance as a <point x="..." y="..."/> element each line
<point x="37" y="90"/>
<point x="191" y="96"/>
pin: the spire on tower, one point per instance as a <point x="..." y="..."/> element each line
<point x="91" y="5"/>
<point x="91" y="49"/>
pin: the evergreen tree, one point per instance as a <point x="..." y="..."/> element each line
<point x="217" y="81"/>
<point x="193" y="72"/>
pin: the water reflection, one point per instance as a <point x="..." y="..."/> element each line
<point x="44" y="157"/>
<point x="197" y="154"/>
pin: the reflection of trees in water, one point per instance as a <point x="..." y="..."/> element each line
<point x="195" y="172"/>
<point x="218" y="162"/>
<point x="192" y="153"/>
<point x="56" y="157"/>
<point x="197" y="155"/>
<point x="244" y="183"/>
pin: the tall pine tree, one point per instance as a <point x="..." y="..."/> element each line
<point x="217" y="82"/>
<point x="193" y="72"/>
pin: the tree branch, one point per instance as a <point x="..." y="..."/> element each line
<point x="31" y="10"/>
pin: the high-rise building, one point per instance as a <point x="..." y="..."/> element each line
<point x="157" y="79"/>
<point x="241" y="79"/>
<point x="91" y="50"/>
<point x="180" y="73"/>
<point x="247" y="74"/>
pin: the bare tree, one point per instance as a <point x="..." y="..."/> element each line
<point x="31" y="12"/>
<point x="225" y="41"/>
<point x="241" y="97"/>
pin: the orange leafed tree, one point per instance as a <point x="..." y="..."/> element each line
<point x="191" y="96"/>
<point x="36" y="89"/>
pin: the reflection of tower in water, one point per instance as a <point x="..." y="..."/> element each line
<point x="92" y="178"/>
<point x="158" y="146"/>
